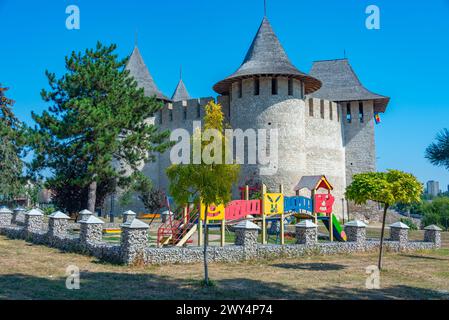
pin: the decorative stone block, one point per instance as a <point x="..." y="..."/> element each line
<point x="58" y="224"/>
<point x="5" y="217"/>
<point x="355" y="231"/>
<point x="84" y="215"/>
<point x="91" y="230"/>
<point x="306" y="233"/>
<point x="433" y="234"/>
<point x="129" y="216"/>
<point x="134" y="241"/>
<point x="399" y="232"/>
<point x="246" y="234"/>
<point x="19" y="211"/>
<point x="34" y="220"/>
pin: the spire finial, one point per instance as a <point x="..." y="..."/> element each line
<point x="135" y="38"/>
<point x="180" y="72"/>
<point x="264" y="8"/>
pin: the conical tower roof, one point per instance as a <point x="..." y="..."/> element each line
<point x="267" y="57"/>
<point x="181" y="92"/>
<point x="139" y="71"/>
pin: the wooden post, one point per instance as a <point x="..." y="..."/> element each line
<point x="185" y="213"/>
<point x="223" y="232"/>
<point x="282" y="227"/>
<point x="264" y="224"/>
<point x="246" y="192"/>
<point x="314" y="213"/>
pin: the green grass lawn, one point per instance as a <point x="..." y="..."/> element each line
<point x="36" y="272"/>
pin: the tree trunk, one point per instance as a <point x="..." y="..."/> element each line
<point x="205" y="243"/>
<point x="92" y="196"/>
<point x="379" y="265"/>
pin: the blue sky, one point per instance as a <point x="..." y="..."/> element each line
<point x="407" y="59"/>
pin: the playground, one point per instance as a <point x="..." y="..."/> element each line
<point x="41" y="270"/>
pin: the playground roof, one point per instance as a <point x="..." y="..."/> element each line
<point x="313" y="183"/>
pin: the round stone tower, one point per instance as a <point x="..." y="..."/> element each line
<point x="267" y="92"/>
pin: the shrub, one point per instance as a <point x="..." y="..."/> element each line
<point x="409" y="222"/>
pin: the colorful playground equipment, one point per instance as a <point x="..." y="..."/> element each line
<point x="273" y="207"/>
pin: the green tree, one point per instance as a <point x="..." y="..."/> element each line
<point x="386" y="188"/>
<point x="209" y="183"/>
<point x="11" y="149"/>
<point x="97" y="117"/>
<point x="438" y="152"/>
<point x="437" y="212"/>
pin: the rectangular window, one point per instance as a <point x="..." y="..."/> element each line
<point x="171" y="114"/>
<point x="240" y="89"/>
<point x="322" y="109"/>
<point x="302" y="89"/>
<point x="311" y="107"/>
<point x="184" y="114"/>
<point x="361" y="115"/>
<point x="198" y="111"/>
<point x="348" y="113"/>
<point x="290" y="87"/>
<point x="331" y="110"/>
<point x="160" y="117"/>
<point x="338" y="113"/>
<point x="274" y="86"/>
<point x="256" y="86"/>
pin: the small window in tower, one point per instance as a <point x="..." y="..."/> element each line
<point x="302" y="90"/>
<point x="311" y="107"/>
<point x="240" y="93"/>
<point x="256" y="86"/>
<point x="160" y="116"/>
<point x="361" y="115"/>
<point x="184" y="114"/>
<point x="331" y="110"/>
<point x="322" y="109"/>
<point x="274" y="86"/>
<point x="338" y="113"/>
<point x="290" y="87"/>
<point x="198" y="111"/>
<point x="171" y="114"/>
<point x="348" y="113"/>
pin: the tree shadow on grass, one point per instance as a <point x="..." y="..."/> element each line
<point x="127" y="286"/>
<point x="423" y="257"/>
<point x="310" y="266"/>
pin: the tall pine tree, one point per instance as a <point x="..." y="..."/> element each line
<point x="97" y="116"/>
<point x="11" y="147"/>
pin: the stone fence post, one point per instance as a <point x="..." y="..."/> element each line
<point x="57" y="225"/>
<point x="91" y="231"/>
<point x="16" y="212"/>
<point x="356" y="231"/>
<point x="246" y="234"/>
<point x="34" y="220"/>
<point x="84" y="215"/>
<point x="5" y="217"/>
<point x="306" y="233"/>
<point x="129" y="216"/>
<point x="134" y="241"/>
<point x="433" y="234"/>
<point x="399" y="232"/>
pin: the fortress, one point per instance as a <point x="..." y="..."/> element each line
<point x="325" y="118"/>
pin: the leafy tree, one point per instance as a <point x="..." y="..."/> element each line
<point x="206" y="182"/>
<point x="437" y="212"/>
<point x="11" y="148"/>
<point x="97" y="117"/>
<point x="438" y="152"/>
<point x="386" y="188"/>
<point x="152" y="198"/>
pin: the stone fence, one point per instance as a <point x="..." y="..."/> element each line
<point x="134" y="245"/>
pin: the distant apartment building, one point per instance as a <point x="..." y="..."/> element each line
<point x="433" y="188"/>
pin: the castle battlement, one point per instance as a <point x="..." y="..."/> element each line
<point x="180" y="114"/>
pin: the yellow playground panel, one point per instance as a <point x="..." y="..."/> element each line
<point x="213" y="212"/>
<point x="273" y="203"/>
